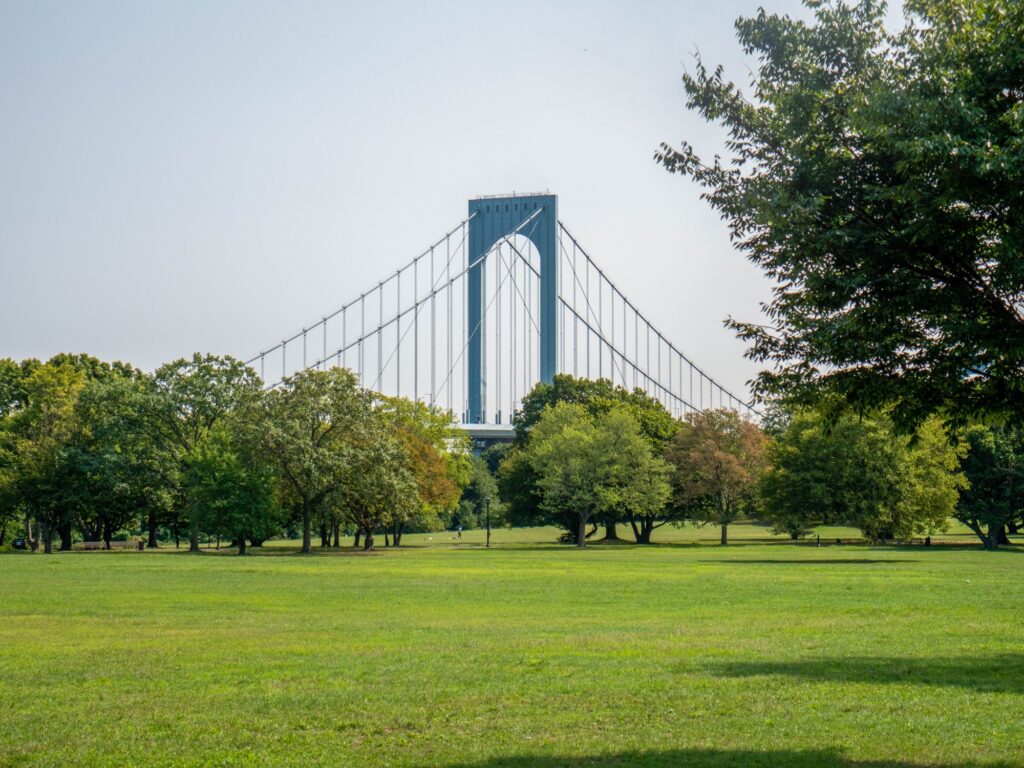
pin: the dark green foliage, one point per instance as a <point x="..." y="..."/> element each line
<point x="597" y="397"/>
<point x="861" y="472"/>
<point x="187" y="399"/>
<point x="594" y="467"/>
<point x="994" y="467"/>
<point x="473" y="504"/>
<point x="878" y="179"/>
<point x="116" y="471"/>
<point x="232" y="488"/>
<point x="518" y="481"/>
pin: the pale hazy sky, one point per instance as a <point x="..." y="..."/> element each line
<point x="210" y="176"/>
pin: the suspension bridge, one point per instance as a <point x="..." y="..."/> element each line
<point x="505" y="299"/>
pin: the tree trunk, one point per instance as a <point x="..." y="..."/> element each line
<point x="193" y="542"/>
<point x="1012" y="528"/>
<point x="398" y="533"/>
<point x="581" y="533"/>
<point x="3" y="534"/>
<point x="47" y="539"/>
<point x="636" y="531"/>
<point x="992" y="541"/>
<point x="645" y="531"/>
<point x="1003" y="538"/>
<point x="337" y="535"/>
<point x="610" y="533"/>
<point x="325" y="536"/>
<point x="151" y="542"/>
<point x="721" y="520"/>
<point x="367" y="540"/>
<point x="307" y="526"/>
<point x="241" y="545"/>
<point x="107" y="535"/>
<point x="33" y="543"/>
<point x="387" y="541"/>
<point x="358" y="536"/>
<point x="64" y="531"/>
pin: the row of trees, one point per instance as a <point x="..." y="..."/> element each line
<point x="588" y="453"/>
<point x="200" y="448"/>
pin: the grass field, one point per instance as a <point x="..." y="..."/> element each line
<point x="530" y="654"/>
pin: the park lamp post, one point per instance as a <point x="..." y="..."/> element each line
<point x="487" y="502"/>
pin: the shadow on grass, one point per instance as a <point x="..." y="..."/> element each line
<point x="1002" y="673"/>
<point x="815" y="561"/>
<point x="710" y="758"/>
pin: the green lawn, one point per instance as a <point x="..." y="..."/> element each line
<point x="530" y="654"/>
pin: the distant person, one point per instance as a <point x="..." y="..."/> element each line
<point x="458" y="530"/>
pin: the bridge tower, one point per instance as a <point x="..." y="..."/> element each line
<point x="491" y="219"/>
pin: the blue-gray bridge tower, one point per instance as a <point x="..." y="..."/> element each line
<point x="492" y="219"/>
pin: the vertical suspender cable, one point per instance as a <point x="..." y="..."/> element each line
<point x="433" y="330"/>
<point x="398" y="334"/>
<point x="415" y="333"/>
<point x="497" y="339"/>
<point x="380" y="334"/>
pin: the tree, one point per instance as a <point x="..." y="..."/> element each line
<point x="36" y="438"/>
<point x="232" y="488"/>
<point x="994" y="467"/>
<point x="438" y="456"/>
<point x="930" y="483"/>
<point x="636" y="485"/>
<point x="473" y="504"/>
<point x="12" y="397"/>
<point x="379" y="482"/>
<point x="518" y="483"/>
<point x="860" y="471"/>
<point x="188" y="398"/>
<point x="118" y="470"/>
<point x="311" y="427"/>
<point x="591" y="465"/>
<point x="718" y="459"/>
<point x="875" y="177"/>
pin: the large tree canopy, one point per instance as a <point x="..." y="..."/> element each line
<point x="519" y="482"/>
<point x="878" y="179"/>
<point x="994" y="500"/>
<point x="594" y="465"/>
<point x="858" y="471"/>
<point x="717" y="458"/>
